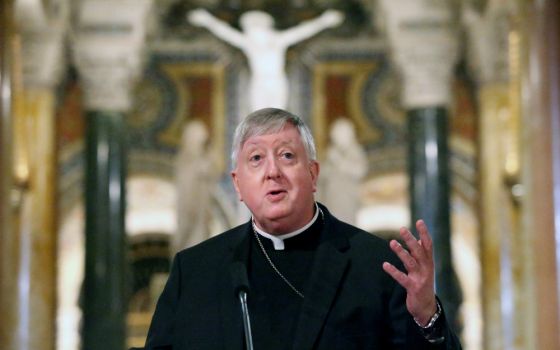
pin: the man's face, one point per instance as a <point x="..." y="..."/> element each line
<point x="276" y="180"/>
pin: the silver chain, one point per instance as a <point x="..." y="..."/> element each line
<point x="275" y="268"/>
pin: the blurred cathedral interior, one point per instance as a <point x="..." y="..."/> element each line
<point x="117" y="118"/>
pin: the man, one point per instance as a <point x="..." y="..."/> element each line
<point x="315" y="282"/>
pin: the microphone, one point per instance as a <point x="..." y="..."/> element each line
<point x="241" y="289"/>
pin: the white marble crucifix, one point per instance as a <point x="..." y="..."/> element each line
<point x="265" y="49"/>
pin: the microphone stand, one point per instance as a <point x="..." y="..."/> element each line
<point x="246" y="321"/>
<point x="241" y="286"/>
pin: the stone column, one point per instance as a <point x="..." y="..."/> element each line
<point x="424" y="49"/>
<point x="494" y="57"/>
<point x="31" y="315"/>
<point x="43" y="61"/>
<point x="8" y="267"/>
<point x="540" y="140"/>
<point x="488" y="54"/>
<point x="107" y="52"/>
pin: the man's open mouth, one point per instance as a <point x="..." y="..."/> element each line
<point x="276" y="193"/>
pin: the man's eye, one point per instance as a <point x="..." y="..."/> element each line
<point x="255" y="158"/>
<point x="288" y="155"/>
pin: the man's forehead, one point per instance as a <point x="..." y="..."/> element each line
<point x="269" y="139"/>
<point x="281" y="137"/>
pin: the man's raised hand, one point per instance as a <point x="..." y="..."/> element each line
<point x="418" y="280"/>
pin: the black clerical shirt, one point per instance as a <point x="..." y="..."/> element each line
<point x="273" y="305"/>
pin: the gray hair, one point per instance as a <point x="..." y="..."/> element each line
<point x="268" y="121"/>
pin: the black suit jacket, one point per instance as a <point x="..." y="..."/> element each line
<point x="350" y="303"/>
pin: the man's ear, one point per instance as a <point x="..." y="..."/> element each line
<point x="314" y="170"/>
<point x="235" y="180"/>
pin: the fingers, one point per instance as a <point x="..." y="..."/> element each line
<point x="412" y="244"/>
<point x="425" y="238"/>
<point x="408" y="261"/>
<point x="397" y="275"/>
<point x="417" y="260"/>
<point x="420" y="249"/>
<point x="418" y="279"/>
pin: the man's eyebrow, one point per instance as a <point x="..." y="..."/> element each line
<point x="285" y="142"/>
<point x="249" y="143"/>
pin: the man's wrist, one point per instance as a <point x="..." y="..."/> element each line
<point x="432" y="319"/>
<point x="431" y="331"/>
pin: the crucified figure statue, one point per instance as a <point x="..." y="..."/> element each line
<point x="265" y="48"/>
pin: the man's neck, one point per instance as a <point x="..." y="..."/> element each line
<point x="278" y="239"/>
<point x="275" y="229"/>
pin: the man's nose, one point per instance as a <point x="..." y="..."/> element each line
<point x="273" y="170"/>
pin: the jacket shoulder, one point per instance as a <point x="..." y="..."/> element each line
<point x="365" y="244"/>
<point x="215" y="246"/>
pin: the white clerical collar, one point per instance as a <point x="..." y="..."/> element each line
<point x="278" y="240"/>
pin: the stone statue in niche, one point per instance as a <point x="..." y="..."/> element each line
<point x="342" y="171"/>
<point x="265" y="49"/>
<point x="196" y="176"/>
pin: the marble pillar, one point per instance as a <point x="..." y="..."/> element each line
<point x="31" y="313"/>
<point x="43" y="63"/>
<point x="423" y="45"/>
<point x="8" y="266"/>
<point x="108" y="55"/>
<point x="541" y="134"/>
<point x="104" y="298"/>
<point x="493" y="57"/>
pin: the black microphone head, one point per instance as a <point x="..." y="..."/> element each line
<point x="239" y="278"/>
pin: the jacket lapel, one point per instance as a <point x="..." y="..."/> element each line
<point x="232" y="321"/>
<point x="329" y="267"/>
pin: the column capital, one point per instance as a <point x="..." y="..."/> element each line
<point x="108" y="50"/>
<point x="43" y="57"/>
<point x="424" y="47"/>
<point x="488" y="49"/>
<point x="43" y="29"/>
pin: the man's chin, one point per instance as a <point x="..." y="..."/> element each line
<point x="277" y="217"/>
<point x="275" y="221"/>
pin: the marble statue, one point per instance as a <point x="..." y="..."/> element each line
<point x="265" y="49"/>
<point x="342" y="171"/>
<point x="196" y="177"/>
